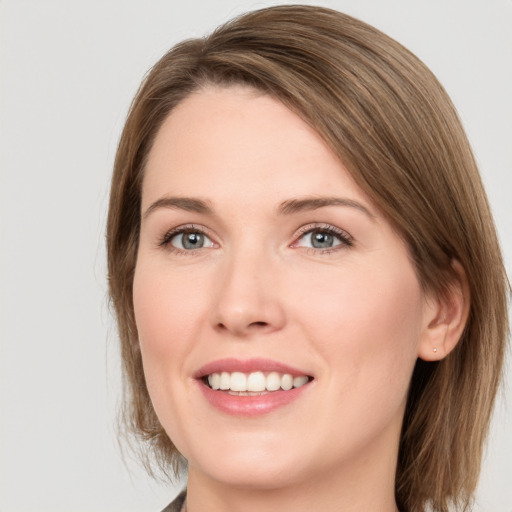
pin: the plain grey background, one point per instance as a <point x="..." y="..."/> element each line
<point x="69" y="69"/>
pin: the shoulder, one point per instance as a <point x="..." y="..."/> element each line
<point x="177" y="503"/>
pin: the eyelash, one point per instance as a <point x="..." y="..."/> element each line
<point x="165" y="242"/>
<point x="343" y="236"/>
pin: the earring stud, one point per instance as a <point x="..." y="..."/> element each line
<point x="435" y="349"/>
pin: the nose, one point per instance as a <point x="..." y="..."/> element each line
<point x="247" y="299"/>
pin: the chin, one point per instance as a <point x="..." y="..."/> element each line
<point x="256" y="467"/>
<point x="265" y="477"/>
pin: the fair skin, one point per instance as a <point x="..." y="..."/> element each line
<point x="265" y="276"/>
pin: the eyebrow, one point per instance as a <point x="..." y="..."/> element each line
<point x="287" y="207"/>
<point x="314" y="203"/>
<point x="188" y="204"/>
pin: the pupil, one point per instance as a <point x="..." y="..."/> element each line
<point x="193" y="240"/>
<point x="321" y="240"/>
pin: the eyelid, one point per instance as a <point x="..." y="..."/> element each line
<point x="346" y="239"/>
<point x="165" y="240"/>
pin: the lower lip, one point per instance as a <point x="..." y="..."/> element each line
<point x="250" y="405"/>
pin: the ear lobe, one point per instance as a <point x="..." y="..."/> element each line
<point x="445" y="318"/>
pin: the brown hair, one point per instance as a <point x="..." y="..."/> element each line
<point x="393" y="126"/>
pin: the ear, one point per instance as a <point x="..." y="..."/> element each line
<point x="445" y="318"/>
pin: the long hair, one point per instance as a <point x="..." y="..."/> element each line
<point x="387" y="118"/>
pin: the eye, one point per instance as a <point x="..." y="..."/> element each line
<point x="186" y="239"/>
<point x="190" y="240"/>
<point x="323" y="238"/>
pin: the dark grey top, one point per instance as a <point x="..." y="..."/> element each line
<point x="177" y="503"/>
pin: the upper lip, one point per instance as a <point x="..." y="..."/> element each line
<point x="246" y="366"/>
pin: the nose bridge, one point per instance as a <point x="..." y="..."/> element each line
<point x="247" y="300"/>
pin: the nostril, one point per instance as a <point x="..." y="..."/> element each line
<point x="258" y="324"/>
<point x="240" y="329"/>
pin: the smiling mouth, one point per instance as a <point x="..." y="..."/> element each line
<point x="254" y="383"/>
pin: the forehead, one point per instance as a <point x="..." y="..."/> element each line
<point x="223" y="142"/>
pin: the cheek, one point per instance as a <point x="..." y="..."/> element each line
<point x="167" y="308"/>
<point x="154" y="308"/>
<point x="367" y="321"/>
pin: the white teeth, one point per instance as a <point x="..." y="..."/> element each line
<point x="214" y="381"/>
<point x="273" y="381"/>
<point x="238" y="382"/>
<point x="225" y="379"/>
<point x="287" y="382"/>
<point x="299" y="381"/>
<point x="255" y="381"/>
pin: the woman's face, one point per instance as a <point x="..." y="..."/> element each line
<point x="262" y="265"/>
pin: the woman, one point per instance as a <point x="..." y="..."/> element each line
<point x="309" y="290"/>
